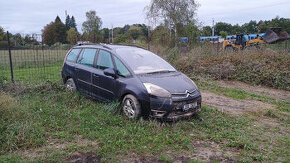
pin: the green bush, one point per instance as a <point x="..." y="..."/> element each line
<point x="123" y="38"/>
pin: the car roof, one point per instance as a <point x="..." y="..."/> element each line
<point x="106" y="46"/>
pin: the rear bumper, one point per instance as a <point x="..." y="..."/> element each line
<point x="169" y="110"/>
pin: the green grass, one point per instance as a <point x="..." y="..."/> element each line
<point x="33" y="75"/>
<point x="38" y="115"/>
<point x="32" y="66"/>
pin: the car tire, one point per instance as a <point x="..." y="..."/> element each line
<point x="70" y="85"/>
<point x="131" y="107"/>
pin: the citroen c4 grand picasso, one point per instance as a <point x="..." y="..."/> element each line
<point x="146" y="84"/>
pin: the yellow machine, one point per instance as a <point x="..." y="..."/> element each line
<point x="272" y="35"/>
<point x="241" y="43"/>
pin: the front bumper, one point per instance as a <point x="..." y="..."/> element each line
<point x="172" y="110"/>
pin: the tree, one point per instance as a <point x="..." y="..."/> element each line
<point x="175" y="12"/>
<point x="72" y="36"/>
<point x="206" y="31"/>
<point x="135" y="32"/>
<point x="106" y="34"/>
<point x="160" y="35"/>
<point x="193" y="33"/>
<point x="125" y="29"/>
<point x="57" y="19"/>
<point x="54" y="32"/>
<point x="224" y="34"/>
<point x="48" y="34"/>
<point x="2" y="34"/>
<point x="221" y="26"/>
<point x="70" y="23"/>
<point x="18" y="39"/>
<point x="251" y="27"/>
<point x="30" y="40"/>
<point x="67" y="22"/>
<point x="59" y="31"/>
<point x="122" y="38"/>
<point x="236" y="29"/>
<point x="92" y="25"/>
<point x="73" y="23"/>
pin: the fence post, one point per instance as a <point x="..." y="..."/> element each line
<point x="10" y="58"/>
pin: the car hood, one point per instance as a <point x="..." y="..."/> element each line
<point x="174" y="82"/>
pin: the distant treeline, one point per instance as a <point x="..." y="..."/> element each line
<point x="58" y="32"/>
<point x="250" y="27"/>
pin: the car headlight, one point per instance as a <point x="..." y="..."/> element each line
<point x="155" y="90"/>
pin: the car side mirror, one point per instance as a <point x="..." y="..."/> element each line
<point x="110" y="72"/>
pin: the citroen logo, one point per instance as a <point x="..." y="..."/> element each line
<point x="187" y="93"/>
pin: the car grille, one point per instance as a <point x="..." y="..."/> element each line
<point x="186" y="94"/>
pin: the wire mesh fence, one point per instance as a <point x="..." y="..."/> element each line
<point x="31" y="63"/>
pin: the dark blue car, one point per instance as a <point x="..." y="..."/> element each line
<point x="145" y="83"/>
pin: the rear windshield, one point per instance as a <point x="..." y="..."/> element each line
<point x="143" y="61"/>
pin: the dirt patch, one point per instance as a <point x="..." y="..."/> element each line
<point x="273" y="93"/>
<point x="233" y="106"/>
<point x="212" y="152"/>
<point x="204" y="151"/>
<point x="55" y="145"/>
<point x="85" y="157"/>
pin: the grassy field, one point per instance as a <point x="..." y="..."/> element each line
<point x="41" y="122"/>
<point x="46" y="123"/>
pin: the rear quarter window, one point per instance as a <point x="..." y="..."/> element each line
<point x="72" y="56"/>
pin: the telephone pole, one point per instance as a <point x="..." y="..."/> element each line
<point x="112" y="34"/>
<point x="212" y="26"/>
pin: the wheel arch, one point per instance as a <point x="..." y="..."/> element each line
<point x="145" y="104"/>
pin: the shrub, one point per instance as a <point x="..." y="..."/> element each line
<point x="254" y="67"/>
<point x="3" y="80"/>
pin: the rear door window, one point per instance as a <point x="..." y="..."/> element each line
<point x="104" y="60"/>
<point x="73" y="54"/>
<point x="87" y="57"/>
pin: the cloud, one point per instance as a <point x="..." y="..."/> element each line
<point x="30" y="16"/>
<point x="238" y="12"/>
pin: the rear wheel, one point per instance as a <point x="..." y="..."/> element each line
<point x="70" y="85"/>
<point x="131" y="107"/>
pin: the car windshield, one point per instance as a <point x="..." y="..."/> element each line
<point x="143" y="61"/>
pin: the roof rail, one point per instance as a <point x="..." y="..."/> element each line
<point x="79" y="43"/>
<point x="131" y="45"/>
<point x="105" y="46"/>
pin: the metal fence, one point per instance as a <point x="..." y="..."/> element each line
<point x="34" y="62"/>
<point x="31" y="63"/>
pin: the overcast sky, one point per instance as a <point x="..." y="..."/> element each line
<point x="30" y="16"/>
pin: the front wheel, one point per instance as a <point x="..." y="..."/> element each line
<point x="131" y="107"/>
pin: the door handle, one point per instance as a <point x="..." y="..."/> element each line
<point x="95" y="75"/>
